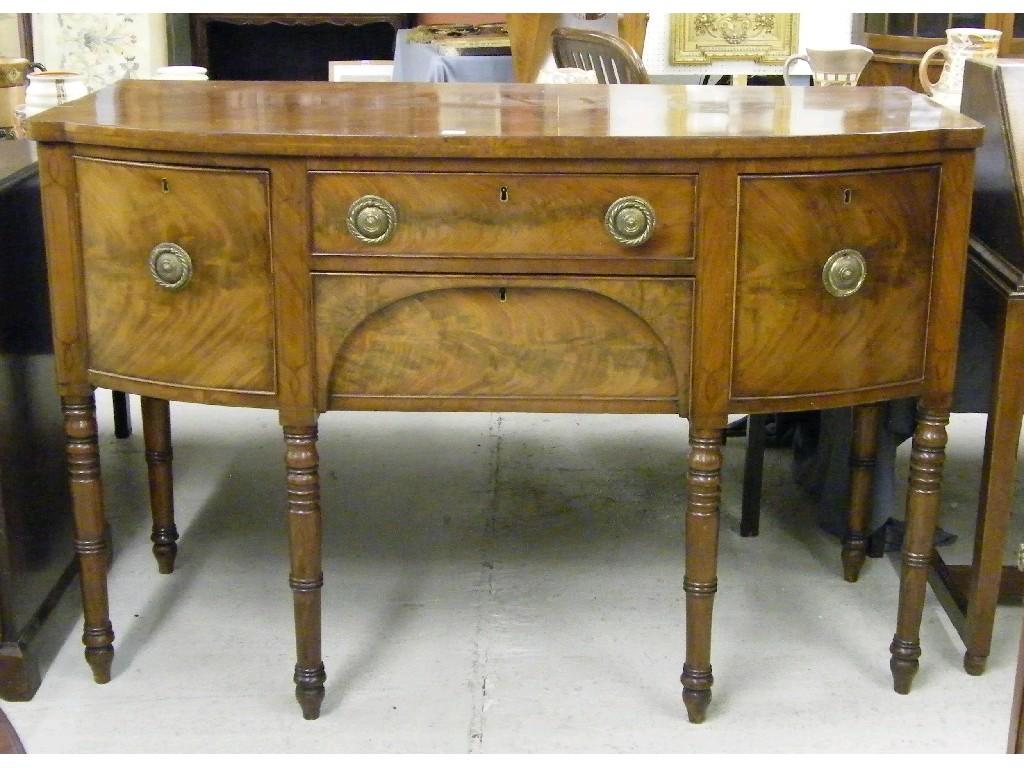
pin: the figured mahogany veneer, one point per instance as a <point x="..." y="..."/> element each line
<point x="500" y="288"/>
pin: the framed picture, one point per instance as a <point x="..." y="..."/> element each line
<point x="16" y="35"/>
<point x="701" y="38"/>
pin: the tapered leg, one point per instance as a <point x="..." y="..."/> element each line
<point x="306" y="579"/>
<point x="122" y="415"/>
<point x="753" y="472"/>
<point x="997" y="485"/>
<point x="156" y="430"/>
<point x="926" y="459"/>
<point x="90" y="534"/>
<point x="862" y="470"/>
<point x="701" y="580"/>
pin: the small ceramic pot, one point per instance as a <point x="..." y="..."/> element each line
<point x="48" y="89"/>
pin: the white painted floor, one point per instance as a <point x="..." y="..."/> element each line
<point x="500" y="583"/>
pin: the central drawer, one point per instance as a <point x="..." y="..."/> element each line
<point x="502" y="215"/>
<point x="485" y="343"/>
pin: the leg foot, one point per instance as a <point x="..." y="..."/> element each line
<point x="696" y="693"/>
<point x="855" y="549"/>
<point x="100" y="660"/>
<point x="309" y="690"/>
<point x="903" y="664"/>
<point x="974" y="665"/>
<point x="164" y="547"/>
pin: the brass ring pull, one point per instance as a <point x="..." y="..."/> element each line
<point x="630" y="221"/>
<point x="170" y="265"/>
<point x="372" y="219"/>
<point x="844" y="272"/>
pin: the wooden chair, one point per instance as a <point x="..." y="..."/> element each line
<point x="611" y="58"/>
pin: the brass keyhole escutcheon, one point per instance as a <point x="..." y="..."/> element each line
<point x="170" y="265"/>
<point x="372" y="219"/>
<point x="844" y="272"/>
<point x="630" y="221"/>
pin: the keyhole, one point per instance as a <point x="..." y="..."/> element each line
<point x="503" y="196"/>
<point x="501" y="294"/>
<point x="847" y="196"/>
<point x="164" y="185"/>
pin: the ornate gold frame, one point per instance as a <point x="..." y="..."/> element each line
<point x="702" y="38"/>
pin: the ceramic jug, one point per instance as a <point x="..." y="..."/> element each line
<point x="832" y="66"/>
<point x="962" y="43"/>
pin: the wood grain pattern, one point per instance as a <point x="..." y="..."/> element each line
<point x="789" y="226"/>
<point x="543" y="216"/>
<point x="507" y="342"/>
<point x="217" y="331"/>
<point x="483" y="120"/>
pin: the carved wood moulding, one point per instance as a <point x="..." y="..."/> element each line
<point x="702" y="38"/>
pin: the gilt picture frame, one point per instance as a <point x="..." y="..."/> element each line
<point x="703" y="38"/>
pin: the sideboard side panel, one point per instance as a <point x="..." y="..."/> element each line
<point x="64" y="267"/>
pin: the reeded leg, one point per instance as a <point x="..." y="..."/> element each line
<point x="90" y="532"/>
<point x="753" y="473"/>
<point x="926" y="459"/>
<point x="862" y="469"/>
<point x="306" y="579"/>
<point x="701" y="580"/>
<point x="156" y="429"/>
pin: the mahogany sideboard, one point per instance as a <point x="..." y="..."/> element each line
<point x="626" y="249"/>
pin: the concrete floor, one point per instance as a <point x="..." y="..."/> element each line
<point x="500" y="583"/>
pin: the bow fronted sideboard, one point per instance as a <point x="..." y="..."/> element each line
<point x="625" y="249"/>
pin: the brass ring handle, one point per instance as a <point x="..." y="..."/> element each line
<point x="844" y="272"/>
<point x="170" y="265"/>
<point x="372" y="219"/>
<point x="630" y="221"/>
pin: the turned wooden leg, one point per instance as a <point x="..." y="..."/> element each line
<point x="122" y="415"/>
<point x="156" y="430"/>
<point x="306" y="578"/>
<point x="926" y="459"/>
<point x="701" y="580"/>
<point x="753" y="472"/>
<point x="90" y="531"/>
<point x="995" y="501"/>
<point x="862" y="472"/>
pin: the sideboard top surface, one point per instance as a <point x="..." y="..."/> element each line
<point x="506" y="120"/>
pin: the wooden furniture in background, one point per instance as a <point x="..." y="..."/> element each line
<point x="36" y="564"/>
<point x="899" y="40"/>
<point x="992" y="95"/>
<point x="530" y="36"/>
<point x="328" y="246"/>
<point x="609" y="57"/>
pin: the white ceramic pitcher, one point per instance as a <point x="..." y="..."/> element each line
<point x="832" y="66"/>
<point x="962" y="43"/>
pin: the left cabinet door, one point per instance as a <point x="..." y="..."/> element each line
<point x="197" y="313"/>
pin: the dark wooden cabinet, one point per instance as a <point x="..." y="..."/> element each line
<point x="36" y="562"/>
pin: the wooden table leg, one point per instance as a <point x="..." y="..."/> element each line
<point x="862" y="472"/>
<point x="156" y="430"/>
<point x="927" y="456"/>
<point x="306" y="578"/>
<point x="997" y="485"/>
<point x="122" y="415"/>
<point x="90" y="539"/>
<point x="753" y="474"/>
<point x="701" y="580"/>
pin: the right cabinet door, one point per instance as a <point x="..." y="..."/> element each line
<point x="833" y="277"/>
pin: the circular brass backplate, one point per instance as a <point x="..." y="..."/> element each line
<point x="844" y="272"/>
<point x="170" y="265"/>
<point x="371" y="219"/>
<point x="630" y="221"/>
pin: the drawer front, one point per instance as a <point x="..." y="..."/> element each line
<point x="217" y="330"/>
<point x="508" y="343"/>
<point x="496" y="215"/>
<point x="789" y="227"/>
